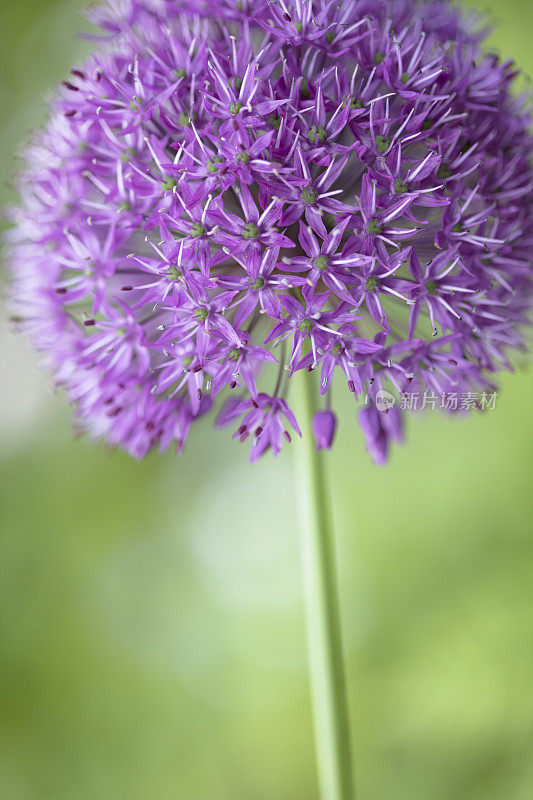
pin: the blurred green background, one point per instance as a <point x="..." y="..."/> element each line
<point x="152" y="640"/>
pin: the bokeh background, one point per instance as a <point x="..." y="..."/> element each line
<point x="152" y="639"/>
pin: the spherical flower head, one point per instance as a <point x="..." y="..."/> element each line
<point x="230" y="193"/>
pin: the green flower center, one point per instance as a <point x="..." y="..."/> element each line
<point x="234" y="354"/>
<point x="378" y="57"/>
<point x="243" y="157"/>
<point x="168" y="184"/>
<point x="200" y="314"/>
<point x="457" y="228"/>
<point x="180" y="73"/>
<point x="372" y="283"/>
<point x="305" y="325"/>
<point x="317" y="134"/>
<point x="298" y="25"/>
<point x="259" y="283"/>
<point x="173" y="273"/>
<point x="405" y="77"/>
<point x="235" y="107"/>
<point x="431" y="287"/>
<point x="184" y="120"/>
<point x="321" y="262"/>
<point x="382" y="144"/>
<point x="127" y="154"/>
<point x="197" y="230"/>
<point x="399" y="187"/>
<point x="125" y="206"/>
<point x="330" y="35"/>
<point x="211" y="164"/>
<point x="309" y="196"/>
<point x="374" y="226"/>
<point x="274" y="121"/>
<point x="356" y="102"/>
<point x="250" y="231"/>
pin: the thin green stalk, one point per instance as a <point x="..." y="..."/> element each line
<point x="328" y="688"/>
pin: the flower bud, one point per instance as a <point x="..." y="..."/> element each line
<point x="324" y="427"/>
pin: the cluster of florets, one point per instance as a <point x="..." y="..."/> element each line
<point x="232" y="192"/>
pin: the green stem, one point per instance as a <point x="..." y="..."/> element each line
<point x="328" y="689"/>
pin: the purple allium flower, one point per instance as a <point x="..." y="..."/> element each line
<point x="324" y="427"/>
<point x="231" y="192"/>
